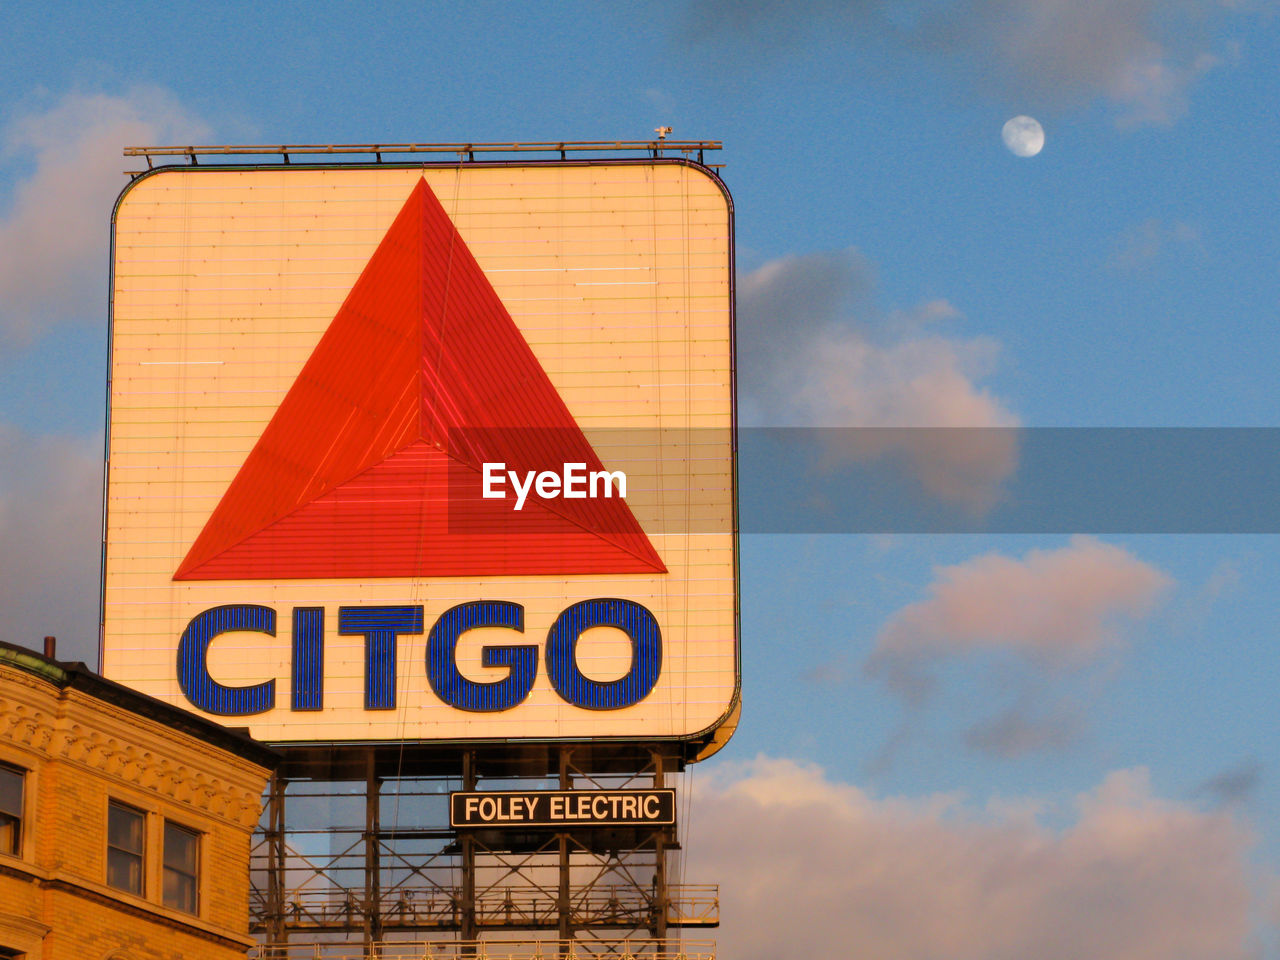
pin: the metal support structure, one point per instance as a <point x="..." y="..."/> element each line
<point x="628" y="948"/>
<point x="562" y="842"/>
<point x="278" y="931"/>
<point x="372" y="908"/>
<point x="469" y="929"/>
<point x="371" y="858"/>
<point x="660" y="894"/>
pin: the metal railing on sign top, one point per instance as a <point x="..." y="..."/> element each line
<point x="436" y="906"/>
<point x="466" y="152"/>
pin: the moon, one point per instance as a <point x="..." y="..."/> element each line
<point x="1023" y="136"/>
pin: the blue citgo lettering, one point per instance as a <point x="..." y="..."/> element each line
<point x="442" y="665"/>
<point x="646" y="654"/>
<point x="193" y="661"/>
<point x="379" y="626"/>
<point x="308" y="658"/>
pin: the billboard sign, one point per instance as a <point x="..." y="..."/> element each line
<point x="439" y="453"/>
<point x="562" y="808"/>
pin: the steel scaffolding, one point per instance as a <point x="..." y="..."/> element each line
<point x="355" y="857"/>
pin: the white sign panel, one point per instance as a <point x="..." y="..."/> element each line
<point x="425" y="453"/>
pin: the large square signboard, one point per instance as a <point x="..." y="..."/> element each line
<point x="439" y="452"/>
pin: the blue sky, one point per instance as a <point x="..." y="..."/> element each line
<point x="928" y="704"/>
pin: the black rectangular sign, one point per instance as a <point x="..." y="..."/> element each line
<point x="562" y="808"/>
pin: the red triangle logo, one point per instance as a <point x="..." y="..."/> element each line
<point x="371" y="467"/>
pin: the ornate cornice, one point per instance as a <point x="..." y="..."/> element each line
<point x="192" y="780"/>
<point x="68" y="726"/>
<point x="25" y="723"/>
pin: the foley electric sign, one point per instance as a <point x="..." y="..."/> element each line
<point x="425" y="453"/>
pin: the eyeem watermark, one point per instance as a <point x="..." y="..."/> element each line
<point x="572" y="483"/>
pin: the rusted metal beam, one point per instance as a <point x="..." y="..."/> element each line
<point x="372" y="865"/>
<point x="469" y="930"/>
<point x="563" y="909"/>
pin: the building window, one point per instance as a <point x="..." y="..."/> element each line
<point x="12" y="781"/>
<point x="181" y="867"/>
<point x="125" y="830"/>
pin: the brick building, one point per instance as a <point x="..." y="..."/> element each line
<point x="125" y="823"/>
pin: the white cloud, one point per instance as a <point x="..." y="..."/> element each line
<point x="1055" y="606"/>
<point x="54" y="234"/>
<point x="1025" y="728"/>
<point x="1236" y="784"/>
<point x="1142" y="56"/>
<point x="845" y="380"/>
<point x="832" y="871"/>
<point x="1148" y="241"/>
<point x="814" y="353"/>
<point x="50" y="534"/>
<point x="1041" y="631"/>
